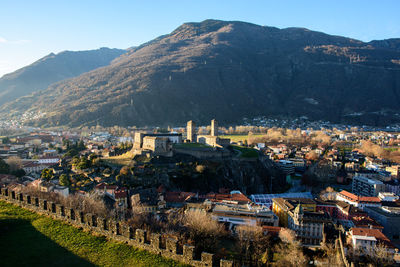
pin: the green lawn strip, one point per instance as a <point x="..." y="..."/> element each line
<point x="240" y="137"/>
<point x="30" y="239"/>
<point x="190" y="145"/>
<point x="246" y="152"/>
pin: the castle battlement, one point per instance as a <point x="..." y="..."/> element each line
<point x="113" y="229"/>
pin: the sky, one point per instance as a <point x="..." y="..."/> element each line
<point x="30" y="30"/>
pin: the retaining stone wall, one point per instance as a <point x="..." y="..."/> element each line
<point x="117" y="230"/>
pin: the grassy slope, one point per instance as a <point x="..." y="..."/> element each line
<point x="246" y="152"/>
<point x="239" y="137"/>
<point x="29" y="239"/>
<point x="191" y="145"/>
<point x="121" y="160"/>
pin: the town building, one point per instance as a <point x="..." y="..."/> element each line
<point x="388" y="196"/>
<point x="286" y="166"/>
<point x="394" y="170"/>
<point x="388" y="216"/>
<point x="358" y="201"/>
<point x="308" y="225"/>
<point x="393" y="187"/>
<point x="366" y="239"/>
<point x="243" y="214"/>
<point x="346" y="211"/>
<point x="282" y="206"/>
<point x="266" y="199"/>
<point x="365" y="186"/>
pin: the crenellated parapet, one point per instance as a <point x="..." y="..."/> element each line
<point x="113" y="229"/>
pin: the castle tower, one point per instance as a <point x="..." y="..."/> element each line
<point x="214" y="128"/>
<point x="191" y="131"/>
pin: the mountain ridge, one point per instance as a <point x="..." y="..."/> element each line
<point x="53" y="68"/>
<point x="229" y="70"/>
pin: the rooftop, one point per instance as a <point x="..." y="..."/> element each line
<point x="357" y="198"/>
<point x="368" y="232"/>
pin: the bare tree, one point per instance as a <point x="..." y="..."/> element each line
<point x="289" y="252"/>
<point x="15" y="163"/>
<point x="380" y="255"/>
<point x="253" y="243"/>
<point x="203" y="230"/>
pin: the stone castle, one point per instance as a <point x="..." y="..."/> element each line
<point x="161" y="144"/>
<point x="155" y="144"/>
<point x="116" y="230"/>
<point x="211" y="139"/>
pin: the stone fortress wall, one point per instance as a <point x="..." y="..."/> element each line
<point x="116" y="230"/>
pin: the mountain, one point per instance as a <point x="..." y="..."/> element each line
<point x="229" y="70"/>
<point x="53" y="68"/>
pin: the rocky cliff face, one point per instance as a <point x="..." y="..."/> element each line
<point x="230" y="70"/>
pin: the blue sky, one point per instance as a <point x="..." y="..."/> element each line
<point x="30" y="30"/>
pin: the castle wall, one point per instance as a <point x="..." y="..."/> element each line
<point x="116" y="230"/>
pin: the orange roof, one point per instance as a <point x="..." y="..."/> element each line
<point x="178" y="196"/>
<point x="359" y="198"/>
<point x="271" y="229"/>
<point x="365" y="222"/>
<point x="380" y="237"/>
<point x="228" y="197"/>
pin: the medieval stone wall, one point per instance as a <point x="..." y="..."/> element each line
<point x="116" y="230"/>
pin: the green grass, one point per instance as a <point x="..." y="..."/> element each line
<point x="240" y="137"/>
<point x="190" y="145"/>
<point x="391" y="149"/>
<point x="125" y="159"/>
<point x="246" y="152"/>
<point x="29" y="239"/>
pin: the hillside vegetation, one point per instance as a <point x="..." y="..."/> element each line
<point x="53" y="68"/>
<point x="229" y="70"/>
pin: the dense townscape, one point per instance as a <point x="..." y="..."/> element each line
<point x="251" y="194"/>
<point x="200" y="133"/>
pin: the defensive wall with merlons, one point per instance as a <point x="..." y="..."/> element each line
<point x="116" y="230"/>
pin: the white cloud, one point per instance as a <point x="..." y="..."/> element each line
<point x="5" y="41"/>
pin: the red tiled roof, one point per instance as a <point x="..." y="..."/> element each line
<point x="359" y="198"/>
<point x="365" y="222"/>
<point x="227" y="197"/>
<point x="120" y="194"/>
<point x="178" y="197"/>
<point x="271" y="229"/>
<point x="380" y="237"/>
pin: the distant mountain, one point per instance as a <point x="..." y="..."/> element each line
<point x="230" y="70"/>
<point x="53" y="68"/>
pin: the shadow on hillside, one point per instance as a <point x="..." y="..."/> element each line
<point x="22" y="245"/>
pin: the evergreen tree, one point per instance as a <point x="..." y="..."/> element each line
<point x="47" y="174"/>
<point x="4" y="168"/>
<point x="64" y="181"/>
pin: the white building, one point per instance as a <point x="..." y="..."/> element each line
<point x="365" y="186"/>
<point x="237" y="214"/>
<point x="388" y="196"/>
<point x="48" y="160"/>
<point x="367" y="239"/>
<point x="358" y="201"/>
